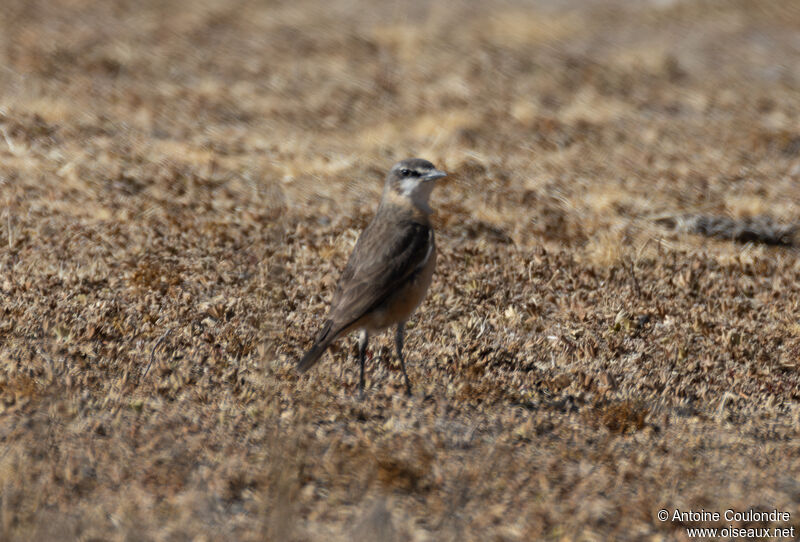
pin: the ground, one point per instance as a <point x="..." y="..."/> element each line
<point x="180" y="186"/>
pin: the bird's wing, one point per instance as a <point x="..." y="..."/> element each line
<point x="386" y="255"/>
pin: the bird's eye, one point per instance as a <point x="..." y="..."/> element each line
<point x="405" y="172"/>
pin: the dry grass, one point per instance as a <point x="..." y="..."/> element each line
<point x="185" y="181"/>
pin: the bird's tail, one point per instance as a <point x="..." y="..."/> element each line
<point x="324" y="338"/>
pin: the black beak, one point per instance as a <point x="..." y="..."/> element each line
<point x="434" y="174"/>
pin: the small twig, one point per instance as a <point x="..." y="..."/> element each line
<point x="630" y="270"/>
<point x="11" y="146"/>
<point x="3" y="182"/>
<point x="721" y="410"/>
<point x="10" y="236"/>
<point x="155" y="347"/>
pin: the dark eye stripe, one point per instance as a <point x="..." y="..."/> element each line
<point x="405" y="172"/>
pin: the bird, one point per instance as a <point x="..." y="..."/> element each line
<point x="390" y="269"/>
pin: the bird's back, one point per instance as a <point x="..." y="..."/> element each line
<point x="396" y="245"/>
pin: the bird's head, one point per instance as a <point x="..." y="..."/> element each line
<point x="412" y="180"/>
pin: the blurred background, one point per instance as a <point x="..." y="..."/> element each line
<point x="181" y="182"/>
<point x="588" y="111"/>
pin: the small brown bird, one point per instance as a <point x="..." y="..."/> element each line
<point x="390" y="268"/>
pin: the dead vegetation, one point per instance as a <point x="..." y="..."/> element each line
<point x="756" y="229"/>
<point x="181" y="184"/>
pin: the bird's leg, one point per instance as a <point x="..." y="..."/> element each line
<point x="363" y="339"/>
<point x="398" y="340"/>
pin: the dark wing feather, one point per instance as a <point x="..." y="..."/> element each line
<point x="386" y="255"/>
